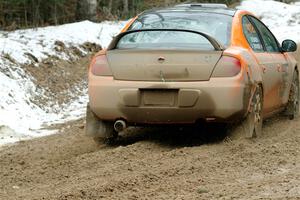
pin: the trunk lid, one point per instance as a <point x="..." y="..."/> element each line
<point x="162" y="65"/>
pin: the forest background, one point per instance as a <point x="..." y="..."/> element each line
<point x="17" y="14"/>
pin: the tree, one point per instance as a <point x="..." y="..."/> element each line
<point x="87" y="9"/>
<point x="125" y="7"/>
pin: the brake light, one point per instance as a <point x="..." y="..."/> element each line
<point x="227" y="67"/>
<point x="100" y="66"/>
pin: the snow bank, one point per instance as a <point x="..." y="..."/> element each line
<point x="19" y="117"/>
<point x="282" y="19"/>
<point x="40" y="42"/>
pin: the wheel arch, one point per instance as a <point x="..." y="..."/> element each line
<point x="296" y="69"/>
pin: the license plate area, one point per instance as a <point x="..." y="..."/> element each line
<point x="159" y="97"/>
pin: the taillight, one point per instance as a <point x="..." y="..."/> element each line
<point x="227" y="67"/>
<point x="100" y="66"/>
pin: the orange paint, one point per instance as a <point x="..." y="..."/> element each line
<point x="128" y="24"/>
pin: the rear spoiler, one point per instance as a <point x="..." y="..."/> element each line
<point x="217" y="45"/>
<point x="202" y="5"/>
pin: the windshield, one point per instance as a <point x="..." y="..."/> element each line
<point x="216" y="25"/>
<point x="164" y="39"/>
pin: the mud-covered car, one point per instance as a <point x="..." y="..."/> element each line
<point x="190" y="63"/>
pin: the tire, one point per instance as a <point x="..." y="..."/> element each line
<point x="293" y="102"/>
<point x="251" y="126"/>
<point x="101" y="131"/>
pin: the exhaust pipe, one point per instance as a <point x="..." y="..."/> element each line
<point x="120" y="125"/>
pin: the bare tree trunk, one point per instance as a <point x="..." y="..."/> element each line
<point x="87" y="9"/>
<point x="92" y="9"/>
<point x="37" y="16"/>
<point x="25" y="13"/>
<point x="125" y="7"/>
<point x="167" y="2"/>
<point x="55" y="13"/>
<point x="110" y="6"/>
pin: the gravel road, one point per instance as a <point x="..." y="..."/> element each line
<point x="155" y="163"/>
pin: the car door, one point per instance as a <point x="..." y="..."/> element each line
<point x="280" y="61"/>
<point x="270" y="75"/>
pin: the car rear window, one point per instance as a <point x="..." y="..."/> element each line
<point x="164" y="39"/>
<point x="216" y="25"/>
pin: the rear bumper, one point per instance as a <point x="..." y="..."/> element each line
<point x="219" y="99"/>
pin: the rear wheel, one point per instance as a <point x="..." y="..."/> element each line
<point x="253" y="122"/>
<point x="251" y="126"/>
<point x="293" y="103"/>
<point x="101" y="131"/>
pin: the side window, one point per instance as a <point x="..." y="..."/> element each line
<point x="268" y="38"/>
<point x="251" y="35"/>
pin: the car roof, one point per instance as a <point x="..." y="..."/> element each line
<point x="203" y="8"/>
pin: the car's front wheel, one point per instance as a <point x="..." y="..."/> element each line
<point x="293" y="103"/>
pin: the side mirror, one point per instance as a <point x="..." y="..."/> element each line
<point x="289" y="46"/>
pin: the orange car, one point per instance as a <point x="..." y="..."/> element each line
<point x="188" y="63"/>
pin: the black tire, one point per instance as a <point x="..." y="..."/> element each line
<point x="101" y="131"/>
<point x="293" y="103"/>
<point x="251" y="126"/>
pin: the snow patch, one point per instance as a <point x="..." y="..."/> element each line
<point x="20" y="118"/>
<point x="40" y="42"/>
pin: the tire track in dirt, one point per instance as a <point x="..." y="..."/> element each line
<point x="155" y="163"/>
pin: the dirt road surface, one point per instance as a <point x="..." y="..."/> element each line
<point x="155" y="163"/>
<point x="150" y="163"/>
